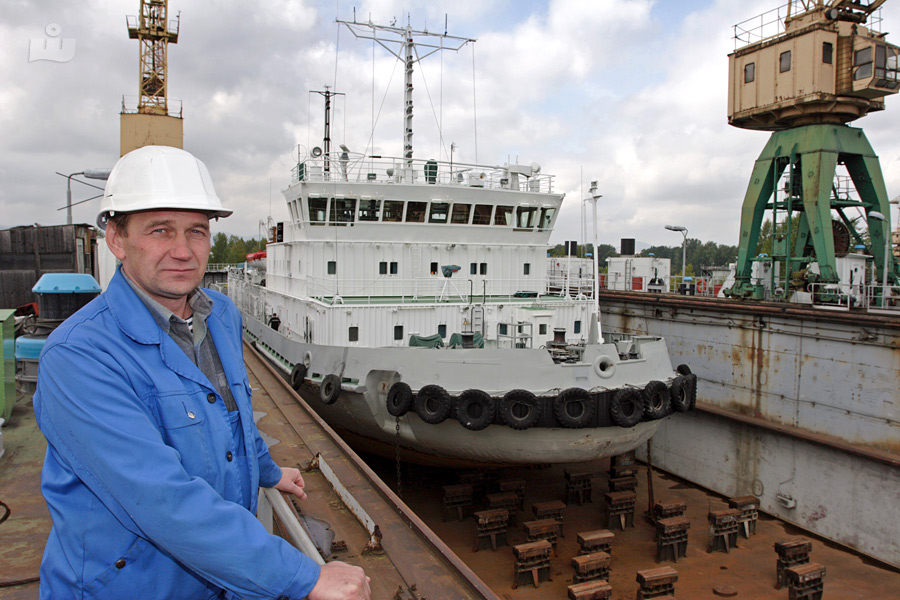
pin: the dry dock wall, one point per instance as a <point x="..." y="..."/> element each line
<point x="804" y="410"/>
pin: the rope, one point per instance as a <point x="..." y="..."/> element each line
<point x="474" y="104"/>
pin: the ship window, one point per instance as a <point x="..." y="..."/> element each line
<point x="332" y="267"/>
<point x="542" y="329"/>
<point x="317" y="208"/>
<point x="393" y="211"/>
<point x="434" y="268"/>
<point x="398" y="332"/>
<point x="442" y="330"/>
<point x="577" y="327"/>
<point x="482" y="214"/>
<point x="473" y="269"/>
<point x="393" y="268"/>
<point x="827" y="53"/>
<point x="438" y="212"/>
<point x="749" y="72"/>
<point x="369" y="210"/>
<point x="784" y="61"/>
<point x="502" y="329"/>
<point x="460" y="213"/>
<point x="483" y="268"/>
<point x="526" y="270"/>
<point x="353" y="334"/>
<point x="525" y="216"/>
<point x="342" y="210"/>
<point x="862" y="63"/>
<point x="546" y="218"/>
<point x="504" y="215"/>
<point x="415" y="212"/>
<point x="382" y="268"/>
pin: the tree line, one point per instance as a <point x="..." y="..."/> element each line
<point x="231" y="249"/>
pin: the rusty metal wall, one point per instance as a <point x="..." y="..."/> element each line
<point x="819" y="393"/>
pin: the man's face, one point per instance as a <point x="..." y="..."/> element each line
<point x="164" y="252"/>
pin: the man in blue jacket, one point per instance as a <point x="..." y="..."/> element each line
<point x="154" y="462"/>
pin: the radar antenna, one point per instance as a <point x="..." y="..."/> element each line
<point x="403" y="42"/>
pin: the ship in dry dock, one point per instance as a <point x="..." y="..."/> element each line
<point x="415" y="309"/>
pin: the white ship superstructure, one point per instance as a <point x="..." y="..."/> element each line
<point x="416" y="311"/>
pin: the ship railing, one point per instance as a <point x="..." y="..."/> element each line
<point x="391" y="290"/>
<point x="883" y="299"/>
<point x="358" y="168"/>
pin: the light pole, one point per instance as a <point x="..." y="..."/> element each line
<point x="684" y="232"/>
<point x="874" y="214"/>
<point x="90" y="174"/>
<point x="596" y="285"/>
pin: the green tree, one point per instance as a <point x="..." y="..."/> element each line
<point x="219" y="251"/>
<point x="237" y="249"/>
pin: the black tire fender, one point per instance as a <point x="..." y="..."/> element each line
<point x="656" y="400"/>
<point x="298" y="376"/>
<point x="330" y="389"/>
<point x="691" y="386"/>
<point x="683" y="370"/>
<point x="475" y="409"/>
<point x="520" y="409"/>
<point x="626" y="408"/>
<point x="433" y="404"/>
<point x="574" y="408"/>
<point x="681" y="400"/>
<point x="399" y="399"/>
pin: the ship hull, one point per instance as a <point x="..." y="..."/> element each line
<point x="367" y="375"/>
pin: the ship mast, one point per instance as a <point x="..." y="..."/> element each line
<point x="328" y="94"/>
<point x="403" y="42"/>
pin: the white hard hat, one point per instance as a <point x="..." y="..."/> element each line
<point x="159" y="177"/>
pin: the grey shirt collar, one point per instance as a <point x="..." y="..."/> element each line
<point x="200" y="303"/>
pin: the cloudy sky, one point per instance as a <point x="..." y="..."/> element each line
<point x="630" y="93"/>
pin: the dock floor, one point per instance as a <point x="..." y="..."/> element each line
<point x="749" y="570"/>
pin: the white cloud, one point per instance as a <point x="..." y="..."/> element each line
<point x="631" y="94"/>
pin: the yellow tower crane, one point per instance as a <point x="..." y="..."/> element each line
<point x="153" y="121"/>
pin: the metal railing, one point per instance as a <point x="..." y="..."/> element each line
<point x="391" y="289"/>
<point x="357" y="168"/>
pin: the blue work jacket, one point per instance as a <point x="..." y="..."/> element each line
<point x="140" y="472"/>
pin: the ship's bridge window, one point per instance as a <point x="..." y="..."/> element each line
<point x="460" y="213"/>
<point x="439" y="211"/>
<point x="369" y="210"/>
<point x="784" y="62"/>
<point x="415" y="212"/>
<point x="503" y="215"/>
<point x="827" y="53"/>
<point x="342" y="210"/>
<point x="546" y="218"/>
<point x="393" y="211"/>
<point x="525" y="216"/>
<point x="749" y="72"/>
<point x="317" y="210"/>
<point x="482" y="214"/>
